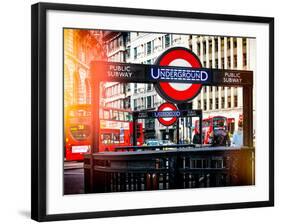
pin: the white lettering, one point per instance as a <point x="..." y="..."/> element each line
<point x="179" y="74"/>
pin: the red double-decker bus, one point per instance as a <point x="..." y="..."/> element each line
<point x="214" y="131"/>
<point x="115" y="130"/>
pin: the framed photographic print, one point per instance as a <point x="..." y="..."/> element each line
<point x="138" y="111"/>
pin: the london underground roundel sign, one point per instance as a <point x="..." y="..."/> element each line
<point x="167" y="114"/>
<point x="178" y="92"/>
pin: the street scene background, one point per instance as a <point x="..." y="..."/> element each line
<point x="222" y="106"/>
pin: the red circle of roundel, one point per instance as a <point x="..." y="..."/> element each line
<point x="165" y="89"/>
<point x="172" y="120"/>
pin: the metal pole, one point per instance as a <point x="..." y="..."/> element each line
<point x="200" y="129"/>
<point x="248" y="116"/>
<point x="183" y="129"/>
<point x="178" y="132"/>
<point x="190" y="131"/>
<point x="134" y="129"/>
<point x="95" y="101"/>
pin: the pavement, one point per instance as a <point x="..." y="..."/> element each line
<point x="73" y="177"/>
<point x="73" y="165"/>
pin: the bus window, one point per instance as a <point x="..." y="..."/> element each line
<point x="121" y="116"/>
<point x="116" y="138"/>
<point x="114" y="115"/>
<point x="106" y="138"/>
<point x="122" y="135"/>
<point x="206" y="123"/>
<point x="128" y="116"/>
<point x="106" y="115"/>
<point x="219" y="122"/>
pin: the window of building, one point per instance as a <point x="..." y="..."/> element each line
<point x="210" y="46"/>
<point x="222" y="102"/>
<point x="211" y="63"/>
<point x="198" y="48"/>
<point x="135" y="88"/>
<point x="228" y="62"/>
<point x="128" y="87"/>
<point x="244" y="59"/>
<point x="121" y="88"/>
<point x="244" y="43"/>
<point x="205" y="89"/>
<point x="149" y="87"/>
<point x="135" y="104"/>
<point x="211" y="104"/>
<point x="149" y="102"/>
<point x="128" y="37"/>
<point x="154" y="100"/>
<point x="222" y="63"/>
<point x="217" y="103"/>
<point x="216" y="45"/>
<point x="228" y="43"/>
<point x="167" y="40"/>
<point x="211" y="88"/>
<point x="148" y="48"/>
<point x="199" y="104"/>
<point x="205" y="104"/>
<point x="128" y="52"/>
<point x="135" y="53"/>
<point x="229" y="101"/>
<point x="121" y="41"/>
<point x="204" y="48"/>
<point x="148" y="62"/>
<point x="234" y="43"/>
<point x="235" y="61"/>
<point x="235" y="101"/>
<point x="217" y="63"/>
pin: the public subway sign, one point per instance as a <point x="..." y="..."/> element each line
<point x="177" y="76"/>
<point x="143" y="73"/>
<point x="118" y="72"/>
<point x="232" y="77"/>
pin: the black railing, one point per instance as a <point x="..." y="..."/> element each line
<point x="170" y="169"/>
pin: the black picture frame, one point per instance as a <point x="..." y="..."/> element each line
<point x="39" y="114"/>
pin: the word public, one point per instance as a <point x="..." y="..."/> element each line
<point x="119" y="71"/>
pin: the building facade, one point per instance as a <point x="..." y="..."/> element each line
<point x="115" y="94"/>
<point x="81" y="47"/>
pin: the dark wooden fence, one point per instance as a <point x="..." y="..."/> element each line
<point x="168" y="169"/>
